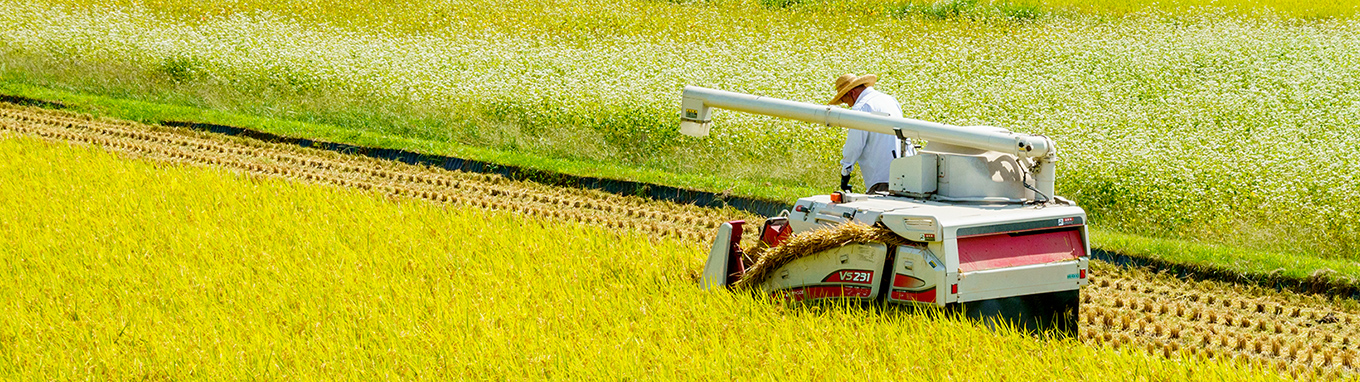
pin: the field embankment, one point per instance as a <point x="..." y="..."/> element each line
<point x="1202" y="123"/>
<point x="342" y="262"/>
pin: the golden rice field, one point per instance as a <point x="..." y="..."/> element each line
<point x="282" y="262"/>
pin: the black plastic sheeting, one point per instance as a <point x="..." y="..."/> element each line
<point x="621" y="187"/>
<point x="25" y="101"/>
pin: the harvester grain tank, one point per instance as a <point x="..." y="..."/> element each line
<point x="982" y="228"/>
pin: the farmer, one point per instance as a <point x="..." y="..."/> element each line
<point x="873" y="151"/>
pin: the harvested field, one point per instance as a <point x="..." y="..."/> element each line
<point x="687" y="222"/>
<point x="1292" y="333"/>
<point x="1296" y="334"/>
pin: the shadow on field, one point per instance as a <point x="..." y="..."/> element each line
<point x="1048" y="315"/>
<point x="1055" y="313"/>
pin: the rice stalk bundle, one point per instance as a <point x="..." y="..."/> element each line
<point x="767" y="259"/>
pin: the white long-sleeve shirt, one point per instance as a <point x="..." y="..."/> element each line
<point x="873" y="151"/>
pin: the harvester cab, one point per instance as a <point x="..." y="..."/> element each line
<point x="974" y="221"/>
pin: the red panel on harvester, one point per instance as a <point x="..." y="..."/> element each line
<point x="1010" y="250"/>
<point x="922" y="296"/>
<point x="904" y="281"/>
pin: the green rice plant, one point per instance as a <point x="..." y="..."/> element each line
<point x="126" y="269"/>
<point x="1202" y="125"/>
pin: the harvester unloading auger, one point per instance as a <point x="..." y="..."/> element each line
<point x="973" y="223"/>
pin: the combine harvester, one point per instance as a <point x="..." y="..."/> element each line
<point x="981" y="229"/>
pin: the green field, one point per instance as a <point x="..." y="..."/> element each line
<point x="125" y="269"/>
<point x="1220" y="124"/>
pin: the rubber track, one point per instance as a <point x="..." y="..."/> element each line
<point x="1301" y="335"/>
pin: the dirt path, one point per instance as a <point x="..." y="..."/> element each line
<point x="1297" y="334"/>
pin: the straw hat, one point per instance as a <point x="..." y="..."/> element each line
<point x="848" y="82"/>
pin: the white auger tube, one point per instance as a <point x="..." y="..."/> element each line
<point x="696" y="102"/>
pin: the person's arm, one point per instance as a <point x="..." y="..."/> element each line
<point x="854" y="146"/>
